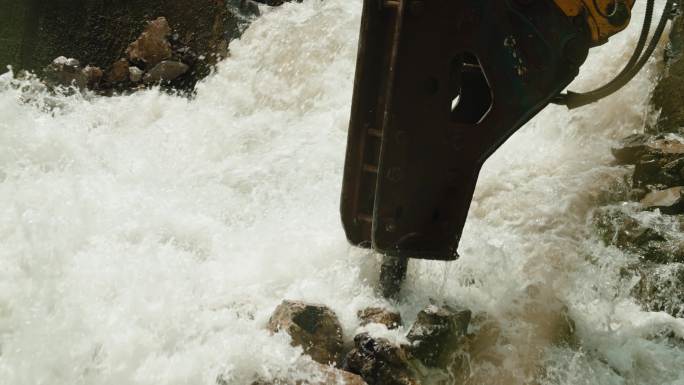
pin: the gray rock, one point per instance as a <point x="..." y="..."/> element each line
<point x="670" y="201"/>
<point x="381" y="316"/>
<point x="313" y="327"/>
<point x="65" y="72"/>
<point x="152" y="46"/>
<point x="437" y="333"/>
<point x="135" y="74"/>
<point x="167" y="70"/>
<point x="659" y="161"/>
<point x="379" y="362"/>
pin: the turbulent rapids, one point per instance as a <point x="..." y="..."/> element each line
<point x="146" y="239"/>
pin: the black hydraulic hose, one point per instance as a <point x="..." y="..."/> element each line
<point x="643" y="38"/>
<point x="636" y="63"/>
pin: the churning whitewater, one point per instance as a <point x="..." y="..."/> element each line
<point x="146" y="239"/>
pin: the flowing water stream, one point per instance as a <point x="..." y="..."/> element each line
<point x="146" y="239"/>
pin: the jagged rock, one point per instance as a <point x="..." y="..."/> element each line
<point x="152" y="46"/>
<point x="167" y="70"/>
<point x="622" y="230"/>
<point x="670" y="201"/>
<point x="658" y="170"/>
<point x="661" y="288"/>
<point x="381" y="316"/>
<point x="119" y="72"/>
<point x="437" y="334"/>
<point x="631" y="148"/>
<point x="65" y="72"/>
<point x="328" y="376"/>
<point x="135" y="74"/>
<point x="98" y="32"/>
<point x="313" y="327"/>
<point x="379" y="362"/>
<point x="655" y="240"/>
<point x="93" y="76"/>
<point x="659" y="160"/>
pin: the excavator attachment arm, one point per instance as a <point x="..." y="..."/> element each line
<point x="440" y="85"/>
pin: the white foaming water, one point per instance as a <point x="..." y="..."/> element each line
<point x="146" y="239"/>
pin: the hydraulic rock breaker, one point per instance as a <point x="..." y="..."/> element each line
<point x="440" y="85"/>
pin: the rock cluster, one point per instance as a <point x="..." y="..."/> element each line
<point x="157" y="56"/>
<point x="175" y="58"/>
<point x="438" y="333"/>
<point x="648" y="220"/>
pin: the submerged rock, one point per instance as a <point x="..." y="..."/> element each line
<point x="167" y="70"/>
<point x="655" y="238"/>
<point x="152" y="46"/>
<point x="327" y="376"/>
<point x="313" y="327"/>
<point x="379" y="362"/>
<point x="438" y="333"/>
<point x="381" y="316"/>
<point x="661" y="288"/>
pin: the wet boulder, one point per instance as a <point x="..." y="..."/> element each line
<point x="380" y="316"/>
<point x="166" y="71"/>
<point x="669" y="201"/>
<point x="661" y="163"/>
<point x="313" y="327"/>
<point x="65" y="72"/>
<point x="119" y="72"/>
<point x="631" y="148"/>
<point x="654" y="238"/>
<point x="379" y="362"/>
<point x="152" y="45"/>
<point x="438" y="333"/>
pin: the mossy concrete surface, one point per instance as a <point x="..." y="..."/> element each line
<point x="97" y="32"/>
